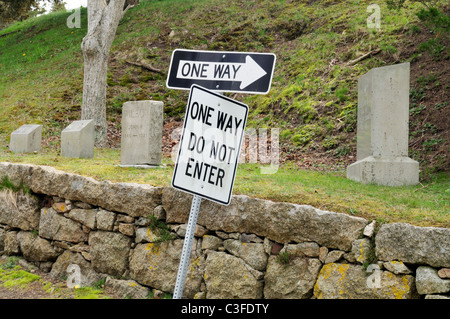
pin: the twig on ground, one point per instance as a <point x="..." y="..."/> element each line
<point x="146" y="67"/>
<point x="365" y="56"/>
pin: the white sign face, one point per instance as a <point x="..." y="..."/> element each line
<point x="221" y="71"/>
<point x="244" y="73"/>
<point x="210" y="143"/>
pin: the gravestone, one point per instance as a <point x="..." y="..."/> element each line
<point x="77" y="139"/>
<point x="382" y="129"/>
<point x="26" y="139"/>
<point x="141" y="143"/>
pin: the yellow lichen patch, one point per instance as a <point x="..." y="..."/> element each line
<point x="361" y="251"/>
<point x="153" y="249"/>
<point x="342" y="269"/>
<point x="323" y="274"/>
<point x="400" y="288"/>
<point x="59" y="207"/>
<point x="326" y="272"/>
<point x="317" y="293"/>
<point x="151" y="235"/>
<point x="195" y="264"/>
<point x="329" y="269"/>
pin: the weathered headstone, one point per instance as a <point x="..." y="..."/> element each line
<point x="26" y="139"/>
<point x="77" y="139"/>
<point x="142" y="124"/>
<point x="382" y="129"/>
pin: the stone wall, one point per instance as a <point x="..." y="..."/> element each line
<point x="133" y="235"/>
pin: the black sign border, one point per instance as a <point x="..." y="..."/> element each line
<point x="211" y="56"/>
<point x="195" y="86"/>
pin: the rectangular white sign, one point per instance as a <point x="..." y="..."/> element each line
<point x="210" y="144"/>
<point x="221" y="71"/>
<point x="245" y="73"/>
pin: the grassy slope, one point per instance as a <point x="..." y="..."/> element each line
<point x="312" y="101"/>
<point x="40" y="66"/>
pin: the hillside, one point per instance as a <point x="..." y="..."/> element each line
<point x="313" y="99"/>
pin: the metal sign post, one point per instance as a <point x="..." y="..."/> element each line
<point x="187" y="246"/>
<point x="219" y="154"/>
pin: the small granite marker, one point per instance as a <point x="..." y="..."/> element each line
<point x="382" y="129"/>
<point x="77" y="139"/>
<point x="26" y="139"/>
<point x="142" y="124"/>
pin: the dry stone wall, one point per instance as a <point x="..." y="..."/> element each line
<point x="132" y="234"/>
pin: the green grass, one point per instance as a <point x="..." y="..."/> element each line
<point x="161" y="229"/>
<point x="16" y="277"/>
<point x="89" y="293"/>
<point x="426" y="204"/>
<point x="313" y="98"/>
<point x="41" y="72"/>
<point x="6" y="184"/>
<point x="40" y="68"/>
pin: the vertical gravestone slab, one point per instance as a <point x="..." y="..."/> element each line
<point x="142" y="124"/>
<point x="77" y="139"/>
<point x="382" y="129"/>
<point x="26" y="139"/>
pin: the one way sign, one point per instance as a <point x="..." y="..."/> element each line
<point x="222" y="71"/>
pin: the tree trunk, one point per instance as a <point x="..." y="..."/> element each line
<point x="103" y="20"/>
<point x="94" y="88"/>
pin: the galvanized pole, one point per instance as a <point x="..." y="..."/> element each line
<point x="187" y="247"/>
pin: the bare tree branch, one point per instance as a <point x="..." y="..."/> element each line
<point x="365" y="56"/>
<point x="128" y="5"/>
<point x="145" y="66"/>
